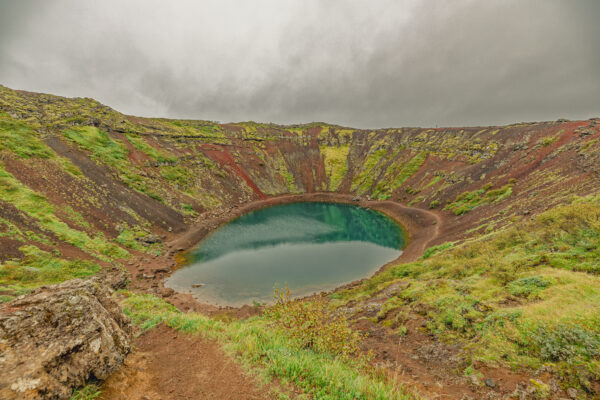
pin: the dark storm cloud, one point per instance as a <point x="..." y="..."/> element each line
<point x="357" y="63"/>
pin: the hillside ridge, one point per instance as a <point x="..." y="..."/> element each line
<point x="85" y="189"/>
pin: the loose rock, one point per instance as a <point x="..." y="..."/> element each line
<point x="54" y="339"/>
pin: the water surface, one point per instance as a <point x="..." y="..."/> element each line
<point x="308" y="246"/>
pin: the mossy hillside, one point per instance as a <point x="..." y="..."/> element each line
<point x="468" y="146"/>
<point x="47" y="113"/>
<point x="335" y="159"/>
<point x="38" y="268"/>
<point x="20" y="140"/>
<point x="520" y="297"/>
<point x="375" y="163"/>
<point x="207" y="129"/>
<point x="169" y="176"/>
<point x="37" y="206"/>
<point x="396" y="175"/>
<point x="467" y="201"/>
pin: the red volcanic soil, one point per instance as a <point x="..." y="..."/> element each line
<point x="172" y="365"/>
<point x="223" y="157"/>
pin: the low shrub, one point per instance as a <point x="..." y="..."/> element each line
<point x="314" y="325"/>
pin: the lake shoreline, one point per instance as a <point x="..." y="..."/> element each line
<point x="421" y="228"/>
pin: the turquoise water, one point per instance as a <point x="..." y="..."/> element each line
<point x="308" y="246"/>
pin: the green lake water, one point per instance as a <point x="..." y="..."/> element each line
<point x="308" y="246"/>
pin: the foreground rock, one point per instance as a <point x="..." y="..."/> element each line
<point x="54" y="339"/>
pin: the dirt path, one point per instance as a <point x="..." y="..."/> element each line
<point x="168" y="365"/>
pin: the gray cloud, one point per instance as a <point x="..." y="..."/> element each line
<point x="357" y="63"/>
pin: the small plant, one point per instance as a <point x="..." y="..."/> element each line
<point x="434" y="204"/>
<point x="436" y="249"/>
<point x="188" y="209"/>
<point x="90" y="391"/>
<point x="411" y="190"/>
<point x="566" y="342"/>
<point x="313" y="324"/>
<point x="525" y="287"/>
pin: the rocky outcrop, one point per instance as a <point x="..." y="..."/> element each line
<point x="57" y="337"/>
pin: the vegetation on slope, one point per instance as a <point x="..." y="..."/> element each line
<point x="313" y="359"/>
<point x="336" y="164"/>
<point x="38" y="207"/>
<point x="38" y="268"/>
<point x="470" y="200"/>
<point x="522" y="297"/>
<point x="396" y="175"/>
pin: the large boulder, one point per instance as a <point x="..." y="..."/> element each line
<point x="57" y="337"/>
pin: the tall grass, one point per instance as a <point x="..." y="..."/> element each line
<point x="266" y="346"/>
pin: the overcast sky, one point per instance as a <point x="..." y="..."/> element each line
<point x="356" y="63"/>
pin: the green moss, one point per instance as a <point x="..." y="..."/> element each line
<point x="467" y="201"/>
<point x="38" y="268"/>
<point x="397" y="174"/>
<point x="139" y="143"/>
<point x="37" y="206"/>
<point x="181" y="176"/>
<point x="364" y="180"/>
<point x="435" y="180"/>
<point x="436" y="249"/>
<point x="102" y="147"/>
<point x="336" y="164"/>
<point x="21" y="140"/>
<point x="188" y="210"/>
<point x="547" y="141"/>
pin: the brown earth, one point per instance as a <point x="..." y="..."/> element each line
<point x="171" y="365"/>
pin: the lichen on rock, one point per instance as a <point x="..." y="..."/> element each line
<point x="59" y="336"/>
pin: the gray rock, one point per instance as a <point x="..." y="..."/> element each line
<point x="150" y="239"/>
<point x="490" y="383"/>
<point x="54" y="339"/>
<point x="475" y="380"/>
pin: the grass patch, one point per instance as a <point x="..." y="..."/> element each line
<point x="336" y="164"/>
<point x="267" y="345"/>
<point x="18" y="138"/>
<point x="38" y="268"/>
<point x="467" y="201"/>
<point x="139" y="143"/>
<point x="90" y="391"/>
<point x="103" y="148"/>
<point x="521" y="297"/>
<point x="436" y="249"/>
<point x="397" y="175"/>
<point x="37" y="206"/>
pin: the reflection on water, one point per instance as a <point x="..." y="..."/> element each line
<point x="308" y="246"/>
